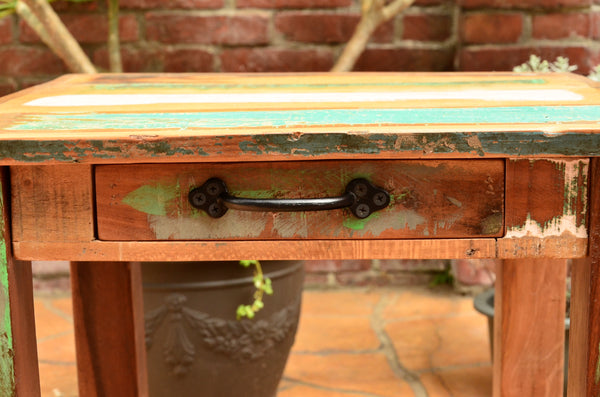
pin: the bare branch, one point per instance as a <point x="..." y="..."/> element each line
<point x="63" y="43"/>
<point x="114" y="51"/>
<point x="373" y="14"/>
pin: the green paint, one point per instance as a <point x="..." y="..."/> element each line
<point x="152" y="199"/>
<point x="597" y="375"/>
<point x="7" y="376"/>
<point x="119" y="86"/>
<point x="303" y="118"/>
<point x="354" y="223"/>
<point x="491" y="224"/>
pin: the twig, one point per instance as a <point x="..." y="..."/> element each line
<point x="114" y="51"/>
<point x="373" y="14"/>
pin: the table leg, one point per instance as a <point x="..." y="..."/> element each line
<point x="584" y="338"/>
<point x="109" y="329"/>
<point x="529" y="328"/>
<point x="19" y="373"/>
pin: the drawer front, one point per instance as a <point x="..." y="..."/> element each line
<point x="428" y="199"/>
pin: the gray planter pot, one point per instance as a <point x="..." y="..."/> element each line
<point x="484" y="304"/>
<point x="194" y="343"/>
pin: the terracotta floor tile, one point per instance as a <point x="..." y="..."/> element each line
<point x="339" y="303"/>
<point x="59" y="349"/>
<point x="335" y="334"/>
<point x="48" y="322"/>
<point x="423" y="303"/>
<point x="307" y="391"/>
<point x="58" y="380"/>
<point x="463" y="382"/>
<point x="437" y="343"/>
<point x="349" y="373"/>
<point x="64" y="305"/>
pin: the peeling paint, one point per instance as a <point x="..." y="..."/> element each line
<point x="234" y="224"/>
<point x="597" y="374"/>
<point x="7" y="375"/>
<point x="573" y="170"/>
<point x="152" y="199"/>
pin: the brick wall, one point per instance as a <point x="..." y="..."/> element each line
<point x="308" y="35"/>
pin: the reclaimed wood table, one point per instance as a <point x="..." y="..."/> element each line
<point x="108" y="171"/>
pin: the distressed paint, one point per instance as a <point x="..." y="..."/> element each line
<point x="99" y="100"/>
<point x="152" y="199"/>
<point x="7" y="375"/>
<point x="575" y="174"/>
<point x="597" y="374"/>
<point x="313" y="145"/>
<point x="303" y="118"/>
<point x="116" y="86"/>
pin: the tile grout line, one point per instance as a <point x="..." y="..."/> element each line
<point x="378" y="326"/>
<point x="327" y="388"/>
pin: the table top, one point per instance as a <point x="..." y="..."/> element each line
<point x="108" y="118"/>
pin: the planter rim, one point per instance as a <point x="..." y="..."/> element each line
<point x="221" y="283"/>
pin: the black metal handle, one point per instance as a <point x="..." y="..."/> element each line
<point x="361" y="196"/>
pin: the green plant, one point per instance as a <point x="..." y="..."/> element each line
<point x="262" y="285"/>
<point x="537" y="64"/>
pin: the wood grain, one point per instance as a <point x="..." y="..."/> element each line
<point x="52" y="203"/>
<point x="18" y="355"/>
<point x="109" y="329"/>
<point x="429" y="199"/>
<point x="550" y="247"/>
<point x="584" y="338"/>
<point x="529" y="316"/>
<point x="434" y="116"/>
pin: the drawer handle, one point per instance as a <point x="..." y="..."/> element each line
<point x="361" y="196"/>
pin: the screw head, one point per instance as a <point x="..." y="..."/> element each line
<point x="380" y="199"/>
<point x="197" y="198"/>
<point x="360" y="189"/>
<point x="362" y="211"/>
<point x="216" y="211"/>
<point x="213" y="188"/>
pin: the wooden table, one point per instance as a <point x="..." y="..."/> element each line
<point x="97" y="170"/>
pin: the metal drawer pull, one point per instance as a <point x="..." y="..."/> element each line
<point x="361" y="196"/>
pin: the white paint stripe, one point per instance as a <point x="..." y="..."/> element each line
<point x="296" y="97"/>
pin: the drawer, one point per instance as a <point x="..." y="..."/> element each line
<point x="427" y="199"/>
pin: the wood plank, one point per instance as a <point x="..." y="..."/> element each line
<point x="109" y="329"/>
<point x="52" y="203"/>
<point x="529" y="318"/>
<point x="551" y="247"/>
<point x="19" y="374"/>
<point x="429" y="199"/>
<point x="546" y="198"/>
<point x="584" y="338"/>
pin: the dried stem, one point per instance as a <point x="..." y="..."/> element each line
<point x="114" y="51"/>
<point x="373" y="14"/>
<point x="55" y="32"/>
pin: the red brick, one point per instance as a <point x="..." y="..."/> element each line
<point x="293" y="3"/>
<point x="188" y="60"/>
<point x="171" y="4"/>
<point x="6" y="35"/>
<point x="411" y="265"/>
<point x="275" y="60"/>
<point x="506" y="58"/>
<point x="491" y="28"/>
<point x="595" y="31"/>
<point x="134" y="60"/>
<point x="430" y="2"/>
<point x="427" y="27"/>
<point x="405" y="59"/>
<point x="88" y="29"/>
<point x="75" y="6"/>
<point x="523" y="3"/>
<point x="229" y="30"/>
<point x="326" y="27"/>
<point x="560" y="26"/>
<point x="29" y="61"/>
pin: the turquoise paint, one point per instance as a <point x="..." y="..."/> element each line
<point x="304" y="118"/>
<point x="152" y="199"/>
<point x="7" y="374"/>
<point x="208" y="87"/>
